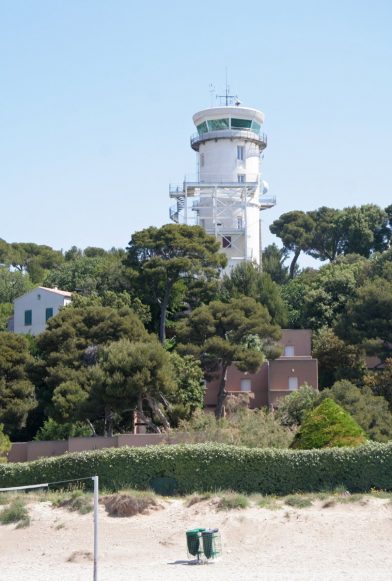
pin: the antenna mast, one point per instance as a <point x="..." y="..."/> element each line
<point x="227" y="98"/>
<point x="227" y="89"/>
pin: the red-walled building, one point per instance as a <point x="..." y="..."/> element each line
<point x="274" y="379"/>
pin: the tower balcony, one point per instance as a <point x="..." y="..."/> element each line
<point x="259" y="139"/>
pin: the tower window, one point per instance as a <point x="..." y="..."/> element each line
<point x="240" y="152"/>
<point x="202" y="160"/>
<point x="218" y="124"/>
<point x="202" y="128"/>
<point x="239" y="222"/>
<point x="226" y="241"/>
<point x="241" y="123"/>
<point x="241" y="178"/>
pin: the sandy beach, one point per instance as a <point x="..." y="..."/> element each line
<point x="343" y="541"/>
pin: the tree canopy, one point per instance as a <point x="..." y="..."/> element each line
<point x="239" y="331"/>
<point x="248" y="280"/>
<point x="161" y="258"/>
<point x="17" y="393"/>
<point x="369" y="411"/>
<point x="5" y="445"/>
<point x="27" y="257"/>
<point x="169" y="281"/>
<point x="295" y="229"/>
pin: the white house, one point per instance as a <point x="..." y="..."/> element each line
<point x="33" y="309"/>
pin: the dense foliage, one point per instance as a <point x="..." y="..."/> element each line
<point x="328" y="426"/>
<point x="368" y="410"/>
<point x="52" y="430"/>
<point x="245" y="427"/>
<point x="168" y="282"/>
<point x="162" y="259"/>
<point x="293" y="408"/>
<point x="5" y="444"/>
<point x="17" y="396"/>
<point x="221" y="333"/>
<point x="201" y="467"/>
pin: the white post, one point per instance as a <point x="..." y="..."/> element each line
<point x="186" y="205"/>
<point x="214" y="217"/>
<point x="246" y="223"/>
<point x="95" y="480"/>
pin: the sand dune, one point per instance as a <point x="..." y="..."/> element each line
<point x="344" y="541"/>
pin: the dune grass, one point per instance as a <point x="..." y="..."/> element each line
<point x="232" y="500"/>
<point x="130" y="502"/>
<point x="5" y="498"/>
<point x="74" y="500"/>
<point x="15" y="512"/>
<point x="298" y="501"/>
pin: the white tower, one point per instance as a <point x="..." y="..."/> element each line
<point x="228" y="193"/>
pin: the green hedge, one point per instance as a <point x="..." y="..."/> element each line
<point x="198" y="467"/>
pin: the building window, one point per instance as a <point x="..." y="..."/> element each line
<point x="256" y="127"/>
<point x="240" y="152"/>
<point x="218" y="124"/>
<point x="246" y="385"/>
<point x="48" y="313"/>
<point x="226" y="241"/>
<point x="239" y="222"/>
<point x="289" y="351"/>
<point x="293" y="383"/>
<point x="241" y="123"/>
<point x="241" y="178"/>
<point x="28" y="318"/>
<point x="202" y="160"/>
<point x="202" y="128"/>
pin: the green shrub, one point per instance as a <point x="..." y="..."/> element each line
<point x="5" y="498"/>
<point x="298" y="501"/>
<point x="269" y="502"/>
<point x="369" y="410"/>
<point x="293" y="408"/>
<point x="5" y="445"/>
<point x="243" y="427"/>
<point x="16" y="512"/>
<point x="210" y="467"/>
<point x="232" y="501"/>
<point x="76" y="500"/>
<point x="52" y="430"/>
<point x="328" y="426"/>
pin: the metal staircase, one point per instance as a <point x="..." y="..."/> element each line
<point x="175" y="210"/>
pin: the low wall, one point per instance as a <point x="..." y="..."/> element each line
<point x="28" y="451"/>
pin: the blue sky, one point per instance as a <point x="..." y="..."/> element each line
<point x="97" y="97"/>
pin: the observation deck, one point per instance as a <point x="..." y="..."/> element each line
<point x="259" y="139"/>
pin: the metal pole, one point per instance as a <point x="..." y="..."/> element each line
<point x="214" y="212"/>
<point x="95" y="480"/>
<point x="246" y="223"/>
<point x="186" y="204"/>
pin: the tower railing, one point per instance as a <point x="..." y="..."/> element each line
<point x="258" y="138"/>
<point x="211" y="179"/>
<point x="267" y="201"/>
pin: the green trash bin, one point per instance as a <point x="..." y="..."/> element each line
<point x="193" y="541"/>
<point x="211" y="543"/>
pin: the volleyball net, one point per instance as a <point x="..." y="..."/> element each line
<point x="47" y="485"/>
